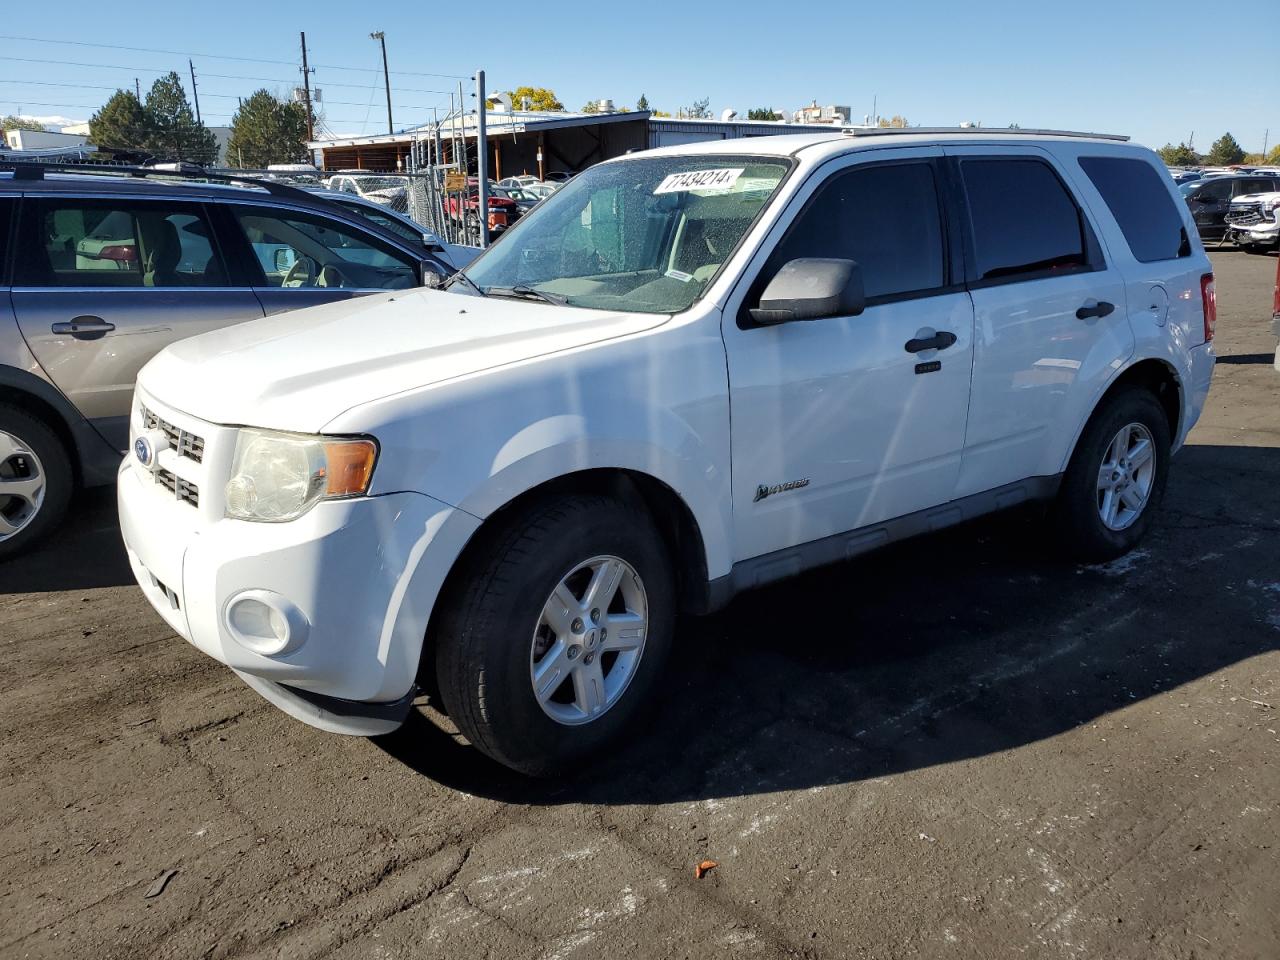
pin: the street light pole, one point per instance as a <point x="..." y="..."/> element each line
<point x="482" y="161"/>
<point x="386" y="76"/>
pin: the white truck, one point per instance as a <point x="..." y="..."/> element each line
<point x="1253" y="221"/>
<point x="689" y="372"/>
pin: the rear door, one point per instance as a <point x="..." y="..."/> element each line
<point x="301" y="258"/>
<point x="103" y="284"/>
<point x="1049" y="308"/>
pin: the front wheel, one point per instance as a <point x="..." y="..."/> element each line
<point x="554" y="638"/>
<point x="1116" y="478"/>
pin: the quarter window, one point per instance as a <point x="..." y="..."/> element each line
<point x="1025" y="223"/>
<point x="885" y="217"/>
<point x="1138" y="198"/>
<point x="298" y="250"/>
<point x="90" y="243"/>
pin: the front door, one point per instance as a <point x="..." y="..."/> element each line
<point x="1051" y="314"/>
<point x="845" y="422"/>
<point x="102" y="285"/>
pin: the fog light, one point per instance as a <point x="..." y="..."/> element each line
<point x="266" y="623"/>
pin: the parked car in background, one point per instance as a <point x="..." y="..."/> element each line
<point x="542" y="190"/>
<point x="520" y="181"/>
<point x="1210" y="199"/>
<point x="1185" y="176"/>
<point x="502" y="213"/>
<point x="522" y="198"/>
<point x="389" y="190"/>
<point x="558" y="176"/>
<point x="1253" y="221"/>
<point x="454" y="255"/>
<point x="100" y="271"/>
<point x="703" y="368"/>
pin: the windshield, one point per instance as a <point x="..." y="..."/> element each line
<point x="365" y="184"/>
<point x="1187" y="189"/>
<point x="644" y="235"/>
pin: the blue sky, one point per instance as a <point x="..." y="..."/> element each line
<point x="1126" y="66"/>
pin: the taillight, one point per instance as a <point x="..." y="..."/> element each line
<point x="1209" y="299"/>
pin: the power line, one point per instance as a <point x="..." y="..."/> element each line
<point x="216" y="56"/>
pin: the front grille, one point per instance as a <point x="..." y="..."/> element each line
<point x="186" y="444"/>
<point x="1245" y="214"/>
<point x="184" y="490"/>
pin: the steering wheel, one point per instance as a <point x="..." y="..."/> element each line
<point x="301" y="274"/>
<point x="331" y="276"/>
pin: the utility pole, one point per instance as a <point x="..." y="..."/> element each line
<point x="195" y="94"/>
<point x="1266" y="138"/>
<point x="482" y="160"/>
<point x="386" y="76"/>
<point x="137" y="88"/>
<point x="306" y="87"/>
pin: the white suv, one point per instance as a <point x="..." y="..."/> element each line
<point x="689" y="372"/>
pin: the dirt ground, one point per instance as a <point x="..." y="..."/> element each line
<point x="960" y="747"/>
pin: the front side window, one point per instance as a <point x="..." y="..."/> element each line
<point x="885" y="218"/>
<point x="301" y="250"/>
<point x="1260" y="185"/>
<point x="103" y="243"/>
<point x="644" y="235"/>
<point x="1139" y="200"/>
<point x="1025" y="223"/>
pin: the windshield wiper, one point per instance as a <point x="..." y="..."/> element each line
<point x="461" y="275"/>
<point x="520" y="290"/>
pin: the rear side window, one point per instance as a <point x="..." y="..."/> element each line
<point x="1025" y="223"/>
<point x="1260" y="185"/>
<point x="8" y="206"/>
<point x="884" y="217"/>
<point x="1139" y="200"/>
<point x="104" y="243"/>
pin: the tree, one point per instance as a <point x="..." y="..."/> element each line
<point x="700" y="110"/>
<point x="121" y="123"/>
<point x="658" y="114"/>
<point x="763" y="113"/>
<point x="266" y="130"/>
<point x="591" y="106"/>
<point x="1179" y="156"/>
<point x="540" y="98"/>
<point x="1225" y="150"/>
<point x="12" y="122"/>
<point x="896" y="122"/>
<point x="1273" y="158"/>
<point x="175" y="134"/>
<point x="642" y="103"/>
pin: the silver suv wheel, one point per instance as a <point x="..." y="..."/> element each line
<point x="1126" y="476"/>
<point x="588" y="640"/>
<point x="22" y="485"/>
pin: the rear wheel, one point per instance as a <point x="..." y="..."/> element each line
<point x="551" y="644"/>
<point x="35" y="480"/>
<point x="1116" y="478"/>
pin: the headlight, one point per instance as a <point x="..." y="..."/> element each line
<point x="280" y="476"/>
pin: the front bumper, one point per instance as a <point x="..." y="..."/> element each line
<point x="1265" y="235"/>
<point x="359" y="576"/>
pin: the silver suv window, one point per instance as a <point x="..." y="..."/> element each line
<point x="112" y="243"/>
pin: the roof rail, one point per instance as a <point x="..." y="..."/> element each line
<point x="990" y="131"/>
<point x="34" y="170"/>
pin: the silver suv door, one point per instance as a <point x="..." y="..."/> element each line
<point x="303" y="258"/>
<point x="103" y="284"/>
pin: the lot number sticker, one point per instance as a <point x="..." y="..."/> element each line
<point x="722" y="179"/>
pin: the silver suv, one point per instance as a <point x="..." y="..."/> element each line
<point x="99" y="272"/>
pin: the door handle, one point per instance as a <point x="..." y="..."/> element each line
<point x="1095" y="308"/>
<point x="939" y="341"/>
<point x="84" y="328"/>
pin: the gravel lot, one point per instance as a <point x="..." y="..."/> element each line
<point x="960" y="747"/>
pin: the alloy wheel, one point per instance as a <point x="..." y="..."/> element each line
<point x="1126" y="476"/>
<point x="22" y="485"/>
<point x="588" y="641"/>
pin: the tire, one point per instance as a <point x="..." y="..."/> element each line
<point x="1078" y="511"/>
<point x="29" y="451"/>
<point x="494" y="632"/>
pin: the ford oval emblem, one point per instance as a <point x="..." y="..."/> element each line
<point x="142" y="450"/>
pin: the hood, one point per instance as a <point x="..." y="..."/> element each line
<point x="297" y="371"/>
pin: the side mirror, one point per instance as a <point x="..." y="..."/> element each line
<point x="430" y="274"/>
<point x="284" y="259"/>
<point x="812" y="289"/>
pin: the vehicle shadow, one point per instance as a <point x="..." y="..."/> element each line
<point x="948" y="647"/>
<point x="84" y="553"/>
<point x="1248" y="358"/>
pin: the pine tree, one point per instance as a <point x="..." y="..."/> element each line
<point x="264" y="131"/>
<point x="642" y="103"/>
<point x="1225" y="150"/>
<point x="175" y="134"/>
<point x="1179" y="156"/>
<point x="120" y="124"/>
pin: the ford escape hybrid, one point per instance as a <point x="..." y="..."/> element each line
<point x="689" y="372"/>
